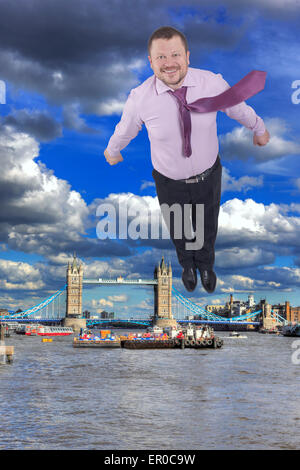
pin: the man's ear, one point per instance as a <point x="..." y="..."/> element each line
<point x="188" y="57"/>
<point x="150" y="61"/>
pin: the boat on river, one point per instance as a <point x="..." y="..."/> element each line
<point x="54" y="331"/>
<point x="236" y="334"/>
<point x="44" y="330"/>
<point x="291" y="330"/>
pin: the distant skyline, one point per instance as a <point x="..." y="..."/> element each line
<point x="68" y="68"/>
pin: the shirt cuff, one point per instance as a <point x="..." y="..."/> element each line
<point x="259" y="127"/>
<point x="112" y="150"/>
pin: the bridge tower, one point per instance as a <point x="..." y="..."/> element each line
<point x="268" y="322"/>
<point x="74" y="296"/>
<point x="163" y="295"/>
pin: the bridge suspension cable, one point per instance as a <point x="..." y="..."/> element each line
<point x="278" y="317"/>
<point x="196" y="309"/>
<point x="42" y="305"/>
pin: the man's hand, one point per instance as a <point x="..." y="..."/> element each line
<point x="112" y="160"/>
<point x="261" y="139"/>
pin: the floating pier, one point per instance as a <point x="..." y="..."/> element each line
<point x="156" y="338"/>
<point x="79" y="343"/>
<point x="5" y="351"/>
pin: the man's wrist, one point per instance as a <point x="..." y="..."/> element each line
<point x="260" y="133"/>
<point x="112" y="153"/>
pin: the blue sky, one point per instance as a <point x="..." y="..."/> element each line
<point x="68" y="68"/>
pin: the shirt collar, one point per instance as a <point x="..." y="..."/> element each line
<point x="161" y="87"/>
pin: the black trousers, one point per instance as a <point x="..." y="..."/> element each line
<point x="206" y="192"/>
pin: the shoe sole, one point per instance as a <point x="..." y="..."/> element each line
<point x="209" y="291"/>
<point x="189" y="289"/>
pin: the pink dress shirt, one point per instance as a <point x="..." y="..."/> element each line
<point x="152" y="105"/>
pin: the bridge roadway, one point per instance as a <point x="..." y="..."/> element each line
<point x="33" y="320"/>
<point x="208" y="322"/>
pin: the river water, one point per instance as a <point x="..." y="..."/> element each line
<point x="242" y="396"/>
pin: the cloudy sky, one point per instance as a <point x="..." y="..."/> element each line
<point x="68" y="68"/>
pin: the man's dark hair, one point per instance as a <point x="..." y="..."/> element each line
<point x="167" y="32"/>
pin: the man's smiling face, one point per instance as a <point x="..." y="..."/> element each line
<point x="169" y="61"/>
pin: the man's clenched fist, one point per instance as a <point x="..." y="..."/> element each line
<point x="112" y="160"/>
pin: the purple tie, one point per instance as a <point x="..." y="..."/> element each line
<point x="248" y="86"/>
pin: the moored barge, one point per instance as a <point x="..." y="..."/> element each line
<point x="172" y="338"/>
<point x="178" y="343"/>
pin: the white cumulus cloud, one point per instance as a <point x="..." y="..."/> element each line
<point x="238" y="143"/>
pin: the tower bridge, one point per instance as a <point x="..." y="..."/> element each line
<point x="162" y="284"/>
<point x="170" y="306"/>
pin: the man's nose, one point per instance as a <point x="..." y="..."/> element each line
<point x="169" y="61"/>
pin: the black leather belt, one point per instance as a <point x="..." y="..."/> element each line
<point x="201" y="176"/>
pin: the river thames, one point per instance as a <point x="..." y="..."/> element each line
<point x="242" y="396"/>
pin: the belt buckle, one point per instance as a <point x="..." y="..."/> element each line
<point x="197" y="178"/>
<point x="192" y="180"/>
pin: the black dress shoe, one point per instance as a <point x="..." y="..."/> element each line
<point x="208" y="279"/>
<point x="189" y="278"/>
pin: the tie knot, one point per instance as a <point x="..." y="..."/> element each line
<point x="180" y="93"/>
